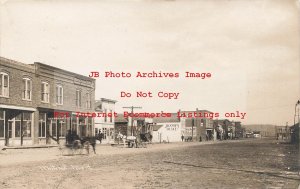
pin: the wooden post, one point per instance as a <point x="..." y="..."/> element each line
<point x="6" y="128"/>
<point x="22" y="128"/>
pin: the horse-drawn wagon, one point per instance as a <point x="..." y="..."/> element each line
<point x="138" y="141"/>
<point x="75" y="145"/>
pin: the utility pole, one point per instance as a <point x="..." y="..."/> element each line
<point x="286" y="131"/>
<point x="131" y="125"/>
<point x="193" y="123"/>
<point x="297" y="103"/>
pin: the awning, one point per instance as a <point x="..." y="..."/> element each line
<point x="17" y="108"/>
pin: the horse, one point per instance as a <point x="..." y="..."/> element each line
<point x="131" y="140"/>
<point x="188" y="138"/>
<point x="146" y="137"/>
<point x="76" y="142"/>
<point x="87" y="141"/>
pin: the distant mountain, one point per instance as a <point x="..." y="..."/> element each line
<point x="265" y="129"/>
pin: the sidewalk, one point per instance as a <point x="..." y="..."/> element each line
<point x="22" y="156"/>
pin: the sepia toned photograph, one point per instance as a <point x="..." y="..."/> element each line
<point x="149" y="94"/>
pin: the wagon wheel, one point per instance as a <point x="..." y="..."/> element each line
<point x="76" y="148"/>
<point x="130" y="144"/>
<point x="65" y="149"/>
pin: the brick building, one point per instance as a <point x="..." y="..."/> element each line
<point x="200" y="127"/>
<point x="31" y="94"/>
<point x="226" y="129"/>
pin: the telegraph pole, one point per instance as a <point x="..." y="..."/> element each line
<point x="131" y="126"/>
<point x="297" y="103"/>
<point x="286" y="131"/>
<point x="193" y="123"/>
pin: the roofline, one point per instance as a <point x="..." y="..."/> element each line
<point x="107" y="100"/>
<point x="17" y="63"/>
<point x="62" y="70"/>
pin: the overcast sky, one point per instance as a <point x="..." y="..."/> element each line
<point x="251" y="48"/>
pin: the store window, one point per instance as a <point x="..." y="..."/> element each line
<point x="27" y="122"/>
<point x="82" y="126"/>
<point x="63" y="128"/>
<point x="54" y="128"/>
<point x="18" y="125"/>
<point x="74" y="123"/>
<point x="59" y="127"/>
<point x="42" y="125"/>
<point x="2" y="121"/>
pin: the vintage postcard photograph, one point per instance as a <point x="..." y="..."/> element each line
<point x="178" y="94"/>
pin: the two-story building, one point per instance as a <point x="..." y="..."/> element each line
<point x="225" y="129"/>
<point x="39" y="103"/>
<point x="199" y="125"/>
<point x="106" y="123"/>
<point x="282" y="132"/>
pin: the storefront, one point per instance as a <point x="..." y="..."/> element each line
<point x="16" y="125"/>
<point x="53" y="129"/>
<point x="108" y="132"/>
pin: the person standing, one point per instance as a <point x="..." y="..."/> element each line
<point x="100" y="136"/>
<point x="182" y="137"/>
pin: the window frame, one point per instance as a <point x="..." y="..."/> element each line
<point x="46" y="91"/>
<point x="42" y="123"/>
<point x="78" y="98"/>
<point x="3" y="119"/>
<point x="2" y="84"/>
<point x="25" y="91"/>
<point x="26" y="123"/>
<point x="59" y="99"/>
<point x="88" y="101"/>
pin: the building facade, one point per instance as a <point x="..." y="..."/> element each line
<point x="169" y="129"/>
<point x="226" y="129"/>
<point x="200" y="127"/>
<point x="105" y="123"/>
<point x="282" y="132"/>
<point x="295" y="135"/>
<point x="39" y="103"/>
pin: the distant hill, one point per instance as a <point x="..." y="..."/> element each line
<point x="265" y="129"/>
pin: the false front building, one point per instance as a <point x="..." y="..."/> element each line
<point x="31" y="97"/>
<point x="106" y="123"/>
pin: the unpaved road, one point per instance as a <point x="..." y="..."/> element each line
<point x="237" y="164"/>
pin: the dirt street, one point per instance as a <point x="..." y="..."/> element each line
<point x="260" y="163"/>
